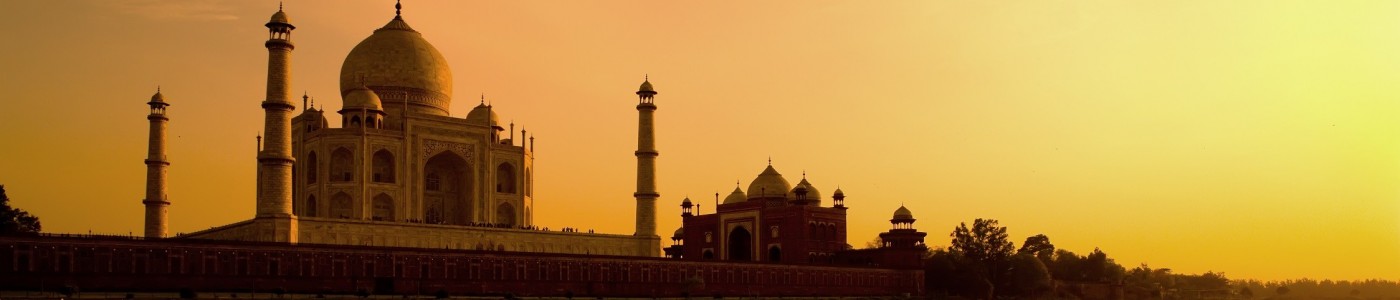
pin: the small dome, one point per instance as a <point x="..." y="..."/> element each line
<point x="838" y="192"/>
<point x="812" y="192"/>
<point x="680" y="233"/>
<point x="279" y="17"/>
<point x="769" y="184"/>
<point x="362" y="98"/>
<point x="686" y="201"/>
<point x="646" y="87"/>
<point x="482" y="114"/>
<point x="157" y="98"/>
<point x="903" y="214"/>
<point x="736" y="197"/>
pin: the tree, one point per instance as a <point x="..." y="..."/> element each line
<point x="1246" y="293"/>
<point x="984" y="245"/>
<point x="875" y="243"/>
<point x="1065" y="265"/>
<point x="14" y="220"/>
<point x="1282" y="290"/>
<point x="1038" y="246"/>
<point x="1027" y="277"/>
<point x="1208" y="281"/>
<point x="947" y="273"/>
<point x="1099" y="268"/>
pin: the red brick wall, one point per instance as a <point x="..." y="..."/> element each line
<point x="115" y="264"/>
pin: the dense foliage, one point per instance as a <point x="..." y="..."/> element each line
<point x="980" y="264"/>
<point x="1318" y="289"/>
<point x="14" y="220"/>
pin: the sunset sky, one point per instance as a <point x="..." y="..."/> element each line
<point x="1255" y="138"/>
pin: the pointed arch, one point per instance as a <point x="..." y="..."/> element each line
<point x="740" y="244"/>
<point x="529" y="183"/>
<point x="505" y="215"/>
<point x="309" y="210"/>
<point x="383" y="166"/>
<point x="342" y="206"/>
<point x="312" y="166"/>
<point x="342" y="165"/>
<point x="446" y="190"/>
<point x="775" y="253"/>
<point x="505" y="178"/>
<point x="383" y="206"/>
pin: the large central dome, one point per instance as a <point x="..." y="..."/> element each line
<point x="398" y="64"/>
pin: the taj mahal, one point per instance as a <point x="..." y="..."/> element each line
<point x="399" y="170"/>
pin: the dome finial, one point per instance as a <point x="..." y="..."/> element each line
<point x="398" y="8"/>
<point x="279" y="5"/>
<point x="770" y="160"/>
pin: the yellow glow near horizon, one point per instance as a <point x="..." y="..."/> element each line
<point x="1257" y="138"/>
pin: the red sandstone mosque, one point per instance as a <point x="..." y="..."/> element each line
<point x="403" y="198"/>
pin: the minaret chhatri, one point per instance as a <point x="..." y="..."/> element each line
<point x="646" y="162"/>
<point x="275" y="160"/>
<point x="155" y="169"/>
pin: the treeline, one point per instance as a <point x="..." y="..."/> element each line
<point x="1318" y="289"/>
<point x="983" y="263"/>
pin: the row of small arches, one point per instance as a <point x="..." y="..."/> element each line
<point x="342" y="206"/>
<point x="342" y="169"/>
<point x="822" y="231"/>
<point x="488" y="246"/>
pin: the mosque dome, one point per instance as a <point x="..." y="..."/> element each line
<point x="902" y="214"/>
<point x="769" y="183"/>
<point x="362" y="98"/>
<point x="646" y="87"/>
<point x="397" y="63"/>
<point x="680" y="233"/>
<point x="838" y="192"/>
<point x="736" y="197"/>
<point x="483" y="115"/>
<point x="812" y="192"/>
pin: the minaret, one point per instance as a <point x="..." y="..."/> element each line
<point x="155" y="169"/>
<point x="646" y="162"/>
<point x="275" y="160"/>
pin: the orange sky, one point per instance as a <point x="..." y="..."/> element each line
<point x="1257" y="138"/>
